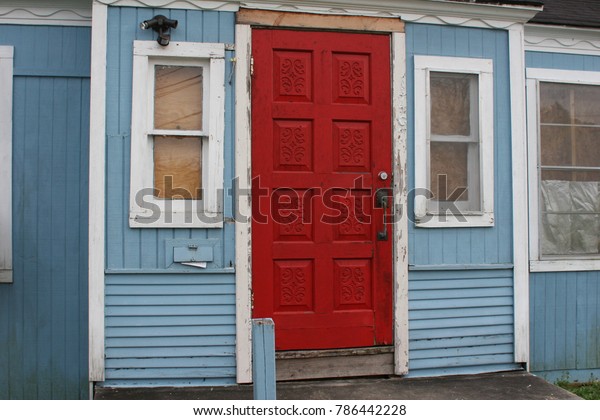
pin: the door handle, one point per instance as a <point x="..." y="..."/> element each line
<point x="382" y="202"/>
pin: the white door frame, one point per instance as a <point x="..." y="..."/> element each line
<point x="243" y="226"/>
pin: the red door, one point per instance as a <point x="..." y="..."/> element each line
<point x="321" y="136"/>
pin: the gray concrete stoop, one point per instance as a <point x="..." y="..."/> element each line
<point x="490" y="386"/>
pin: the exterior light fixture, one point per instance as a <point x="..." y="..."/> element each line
<point x="162" y="25"/>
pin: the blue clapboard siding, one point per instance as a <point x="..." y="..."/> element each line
<point x="43" y="314"/>
<point x="565" y="325"/>
<point x="565" y="306"/>
<point x="170" y="330"/>
<point x="466" y="245"/>
<point x="460" y="322"/>
<point x="164" y="328"/>
<point x="460" y="315"/>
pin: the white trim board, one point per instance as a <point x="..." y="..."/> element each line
<point x="6" y="123"/>
<point x="97" y="193"/>
<point x="519" y="186"/>
<point x="400" y="186"/>
<point x="534" y="76"/>
<point x="421" y="11"/>
<point x="243" y="225"/>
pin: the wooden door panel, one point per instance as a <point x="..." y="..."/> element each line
<point x="321" y="134"/>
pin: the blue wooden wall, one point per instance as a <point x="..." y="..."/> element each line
<point x="460" y="279"/>
<point x="43" y="314"/>
<point x="565" y="306"/>
<point x="165" y="324"/>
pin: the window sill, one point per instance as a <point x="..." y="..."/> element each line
<point x="564" y="265"/>
<point x="6" y="276"/>
<point x="464" y="221"/>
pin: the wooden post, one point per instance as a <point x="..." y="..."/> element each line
<point x="263" y="355"/>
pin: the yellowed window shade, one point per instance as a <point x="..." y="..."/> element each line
<point x="178" y="98"/>
<point x="178" y="167"/>
<point x="451" y="103"/>
<point x="449" y="170"/>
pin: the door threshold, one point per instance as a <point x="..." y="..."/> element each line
<point x="334" y="363"/>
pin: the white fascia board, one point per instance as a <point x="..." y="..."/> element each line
<point x="456" y="13"/>
<point x="562" y="39"/>
<point x="429" y="11"/>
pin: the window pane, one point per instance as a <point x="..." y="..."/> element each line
<point x="587" y="104"/>
<point x="451" y="103"/>
<point x="555" y="146"/>
<point x="449" y="171"/>
<point x="555" y="103"/>
<point x="570" y="218"/>
<point x="178" y="167"/>
<point x="178" y="98"/>
<point x="587" y="146"/>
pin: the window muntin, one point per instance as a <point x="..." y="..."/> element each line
<point x="569" y="170"/>
<point x="454" y="142"/>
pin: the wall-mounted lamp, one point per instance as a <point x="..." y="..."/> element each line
<point x="162" y="25"/>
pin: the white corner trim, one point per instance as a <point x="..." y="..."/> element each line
<point x="96" y="193"/>
<point x="243" y="220"/>
<point x="560" y="39"/>
<point x="400" y="186"/>
<point x="6" y="123"/>
<point x="221" y="6"/>
<point x="51" y="15"/>
<point x="519" y="185"/>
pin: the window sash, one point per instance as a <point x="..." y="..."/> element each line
<point x="426" y="212"/>
<point x="206" y="212"/>
<point x="548" y="261"/>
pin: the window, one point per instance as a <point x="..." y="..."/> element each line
<point x="454" y="142"/>
<point x="177" y="135"/>
<point x="6" y="96"/>
<point x="564" y="138"/>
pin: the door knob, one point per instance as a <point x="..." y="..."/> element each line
<point x="383" y="175"/>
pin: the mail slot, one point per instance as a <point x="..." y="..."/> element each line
<point x="192" y="253"/>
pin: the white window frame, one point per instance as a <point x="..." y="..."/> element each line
<point x="534" y="77"/>
<point x="483" y="69"/>
<point x="207" y="212"/>
<point x="6" y="103"/>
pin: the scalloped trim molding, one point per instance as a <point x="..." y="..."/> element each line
<point x="215" y="5"/>
<point x="45" y="16"/>
<point x="421" y="11"/>
<point x="562" y="40"/>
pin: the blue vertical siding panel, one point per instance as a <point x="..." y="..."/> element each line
<point x="198" y="358"/>
<point x="43" y="336"/>
<point x="565" y="325"/>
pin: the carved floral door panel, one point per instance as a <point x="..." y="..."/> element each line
<point x="321" y="122"/>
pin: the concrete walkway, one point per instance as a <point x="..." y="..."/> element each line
<point x="493" y="386"/>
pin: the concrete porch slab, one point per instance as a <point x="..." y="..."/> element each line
<point x="491" y="386"/>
